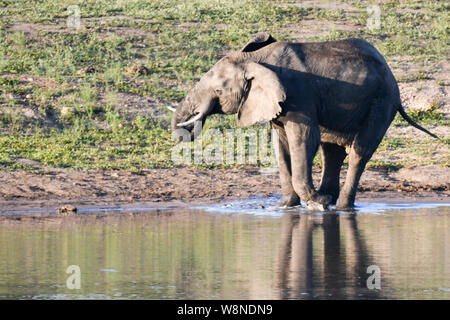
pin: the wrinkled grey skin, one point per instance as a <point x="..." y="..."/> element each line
<point x="339" y="95"/>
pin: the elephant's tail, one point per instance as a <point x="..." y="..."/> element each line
<point x="411" y="122"/>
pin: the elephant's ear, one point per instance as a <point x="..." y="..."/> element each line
<point x="261" y="39"/>
<point x="263" y="96"/>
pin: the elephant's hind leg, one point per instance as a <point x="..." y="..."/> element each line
<point x="363" y="147"/>
<point x="357" y="161"/>
<point x="332" y="158"/>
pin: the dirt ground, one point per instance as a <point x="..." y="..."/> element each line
<point x="52" y="188"/>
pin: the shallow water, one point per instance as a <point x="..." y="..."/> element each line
<point x="234" y="251"/>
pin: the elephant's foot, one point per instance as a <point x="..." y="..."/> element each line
<point x="315" y="206"/>
<point x="289" y="200"/>
<point x="345" y="203"/>
<point x="344" y="207"/>
<point x="333" y="192"/>
<point x="319" y="202"/>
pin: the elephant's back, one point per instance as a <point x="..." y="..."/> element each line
<point x="347" y="60"/>
<point x="350" y="76"/>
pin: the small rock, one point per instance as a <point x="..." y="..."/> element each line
<point x="85" y="70"/>
<point x="67" y="209"/>
<point x="67" y="111"/>
<point x="140" y="70"/>
<point x="260" y="207"/>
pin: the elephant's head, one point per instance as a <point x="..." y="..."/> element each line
<point x="235" y="84"/>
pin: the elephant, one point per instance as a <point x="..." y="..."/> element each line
<point x="338" y="95"/>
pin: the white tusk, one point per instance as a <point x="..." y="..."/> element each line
<point x="197" y="117"/>
<point x="171" y="108"/>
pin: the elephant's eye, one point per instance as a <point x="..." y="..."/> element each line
<point x="218" y="91"/>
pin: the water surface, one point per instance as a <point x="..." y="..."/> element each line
<point x="232" y="251"/>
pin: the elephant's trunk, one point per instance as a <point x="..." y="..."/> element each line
<point x="197" y="105"/>
<point x="183" y="112"/>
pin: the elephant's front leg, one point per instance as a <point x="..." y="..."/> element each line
<point x="290" y="198"/>
<point x="303" y="142"/>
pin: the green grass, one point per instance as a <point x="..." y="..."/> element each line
<point x="430" y="116"/>
<point x="132" y="146"/>
<point x="414" y="77"/>
<point x="81" y="121"/>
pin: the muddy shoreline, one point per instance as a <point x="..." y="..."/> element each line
<point x="49" y="189"/>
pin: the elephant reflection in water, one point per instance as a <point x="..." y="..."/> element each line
<point x="316" y="261"/>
